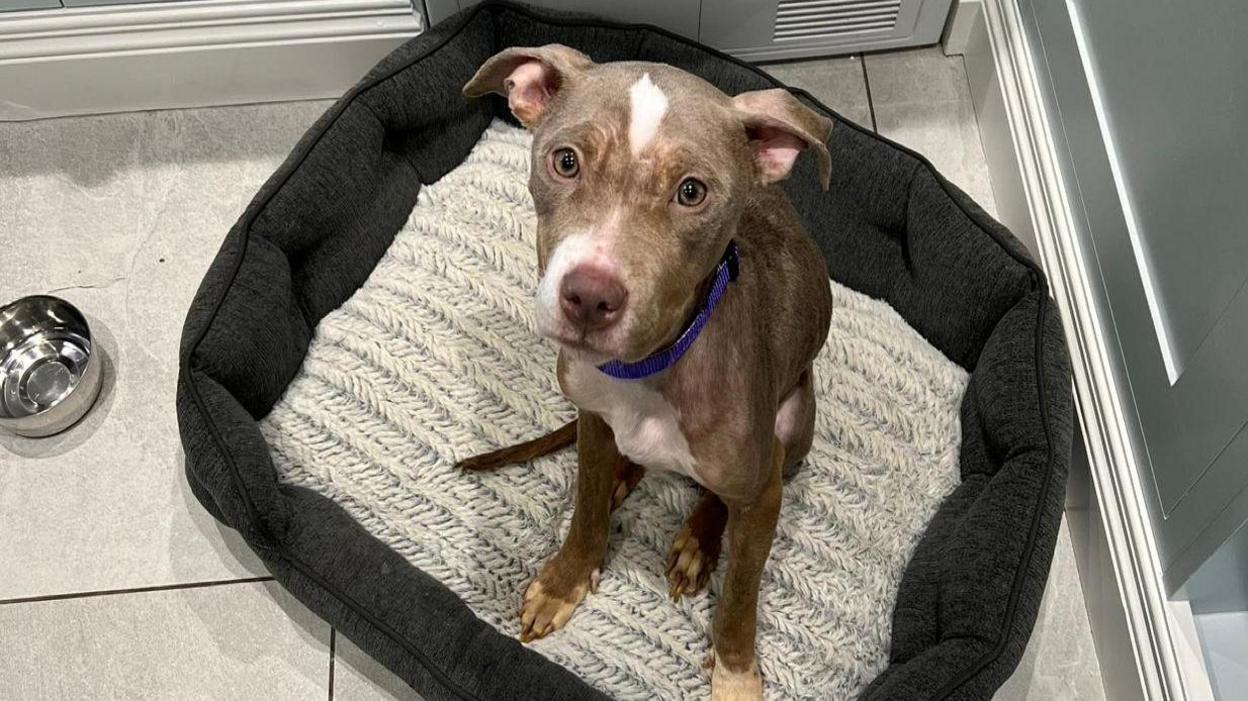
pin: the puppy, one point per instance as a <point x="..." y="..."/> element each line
<point x="688" y="305"/>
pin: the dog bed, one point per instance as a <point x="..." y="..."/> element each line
<point x="368" y="321"/>
<point x="435" y="358"/>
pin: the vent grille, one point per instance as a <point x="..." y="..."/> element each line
<point x="819" y="19"/>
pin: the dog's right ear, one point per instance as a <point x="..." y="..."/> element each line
<point x="529" y="77"/>
<point x="781" y="127"/>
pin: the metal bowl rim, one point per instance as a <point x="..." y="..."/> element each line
<point x="11" y="421"/>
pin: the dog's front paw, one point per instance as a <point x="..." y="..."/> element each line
<point x="729" y="685"/>
<point x="552" y="597"/>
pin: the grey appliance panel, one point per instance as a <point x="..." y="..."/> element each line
<point x="680" y="16"/>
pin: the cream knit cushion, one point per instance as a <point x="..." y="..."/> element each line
<point x="435" y="359"/>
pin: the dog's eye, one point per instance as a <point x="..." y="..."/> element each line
<point x="564" y="161"/>
<point x="691" y="192"/>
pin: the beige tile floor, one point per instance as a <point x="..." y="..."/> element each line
<point x="113" y="580"/>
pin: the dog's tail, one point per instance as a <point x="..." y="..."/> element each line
<point x="558" y="439"/>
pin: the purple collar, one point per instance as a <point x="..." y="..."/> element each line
<point x="661" y="360"/>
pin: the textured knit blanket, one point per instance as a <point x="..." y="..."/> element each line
<point x="435" y="359"/>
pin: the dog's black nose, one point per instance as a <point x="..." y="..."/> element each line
<point x="591" y="297"/>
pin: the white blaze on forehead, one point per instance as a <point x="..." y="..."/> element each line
<point x="647" y="105"/>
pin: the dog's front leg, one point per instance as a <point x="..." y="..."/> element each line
<point x="573" y="571"/>
<point x="751" y="528"/>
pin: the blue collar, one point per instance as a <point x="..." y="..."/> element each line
<point x="661" y="360"/>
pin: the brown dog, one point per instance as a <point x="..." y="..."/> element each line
<point x="688" y="305"/>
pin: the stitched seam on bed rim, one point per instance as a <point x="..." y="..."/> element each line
<point x="1034" y="531"/>
<point x="1038" y="281"/>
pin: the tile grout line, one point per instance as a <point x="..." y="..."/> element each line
<point x="333" y="636"/>
<point x="862" y="58"/>
<point x="134" y="590"/>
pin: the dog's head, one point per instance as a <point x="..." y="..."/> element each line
<point x="640" y="174"/>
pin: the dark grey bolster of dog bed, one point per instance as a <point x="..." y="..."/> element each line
<point x="890" y="227"/>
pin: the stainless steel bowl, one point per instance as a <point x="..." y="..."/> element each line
<point x="49" y="371"/>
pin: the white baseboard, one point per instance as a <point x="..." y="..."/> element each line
<point x="193" y="53"/>
<point x="1032" y="201"/>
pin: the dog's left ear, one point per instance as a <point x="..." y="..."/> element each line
<point x="780" y="127"/>
<point x="528" y="76"/>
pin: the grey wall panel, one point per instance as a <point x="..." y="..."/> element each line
<point x="680" y="16"/>
<point x="1221" y="584"/>
<point x="1224" y="638"/>
<point x="780" y="29"/>
<point x="768" y="29"/>
<point x="93" y="3"/>
<point x="14" y="5"/>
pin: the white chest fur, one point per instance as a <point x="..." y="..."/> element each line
<point x="646" y="426"/>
